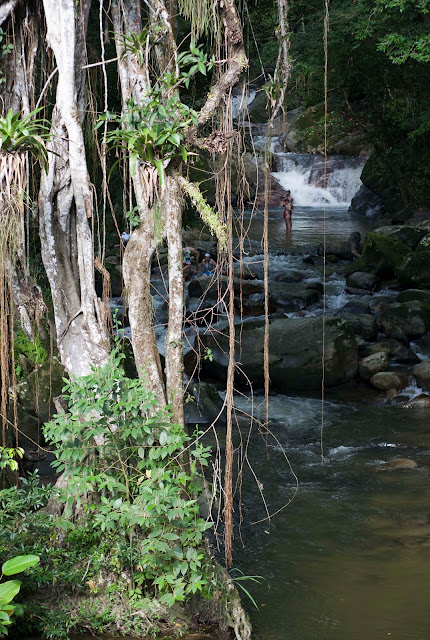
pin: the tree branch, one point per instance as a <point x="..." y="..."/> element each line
<point x="237" y="61"/>
<point x="6" y="7"/>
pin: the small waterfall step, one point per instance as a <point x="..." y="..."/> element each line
<point x="315" y="182"/>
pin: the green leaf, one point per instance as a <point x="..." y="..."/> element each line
<point x="8" y="590"/>
<point x="18" y="564"/>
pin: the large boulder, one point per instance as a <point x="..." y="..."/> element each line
<point x="364" y="324"/>
<point x="207" y="402"/>
<point x="410" y="236"/>
<point x="412" y="318"/>
<point x="414" y="272"/>
<point x="381" y="255"/>
<point x="414" y="294"/>
<point x="363" y="280"/>
<point x="422" y="374"/>
<point x="295" y="353"/>
<point x="367" y="202"/>
<point x="36" y="391"/>
<point x="372" y="364"/>
<point x="388" y="380"/>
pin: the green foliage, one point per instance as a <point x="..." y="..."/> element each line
<point x="125" y="464"/>
<point x="153" y="131"/>
<point x="239" y="579"/>
<point x="10" y="588"/>
<point x="20" y="134"/>
<point x="7" y="458"/>
<point x="6" y="49"/>
<point x="34" y="351"/>
<point x="18" y="502"/>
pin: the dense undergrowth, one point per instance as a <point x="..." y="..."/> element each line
<point x="129" y="544"/>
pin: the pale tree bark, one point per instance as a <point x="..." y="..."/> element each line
<point x="135" y="84"/>
<point x="174" y="357"/>
<point x="66" y="201"/>
<point x="6" y="7"/>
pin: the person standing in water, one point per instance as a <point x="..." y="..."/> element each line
<point x="287" y="203"/>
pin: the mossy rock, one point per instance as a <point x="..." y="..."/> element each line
<point x="381" y="255"/>
<point x="410" y="236"/>
<point x="414" y="294"/>
<point x="414" y="271"/>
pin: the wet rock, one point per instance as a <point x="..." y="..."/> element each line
<point x="397" y="464"/>
<point x="386" y="380"/>
<point x="208" y="401"/>
<point x="356" y="292"/>
<point x="291" y="275"/>
<point x="367" y="202"/>
<point x="395" y="350"/>
<point x="382" y="255"/>
<point x="364" y="325"/>
<point x="362" y="280"/>
<point x="194" y="236"/>
<point x="36" y="391"/>
<point x="357" y="308"/>
<point x="423" y="346"/>
<point x="378" y="304"/>
<point x="340" y="251"/>
<point x="414" y="272"/>
<point x="414" y="294"/>
<point x="410" y="236"/>
<point x="412" y="318"/>
<point x="29" y="428"/>
<point x="372" y="364"/>
<point x="295" y="353"/>
<point x="422" y="402"/>
<point x="422" y="374"/>
<point x="292" y="297"/>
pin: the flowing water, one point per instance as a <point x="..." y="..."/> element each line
<point x="349" y="558"/>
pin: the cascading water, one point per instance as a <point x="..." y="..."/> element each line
<point x="304" y="175"/>
<point x="239" y="101"/>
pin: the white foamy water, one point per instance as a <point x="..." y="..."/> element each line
<point x="240" y="101"/>
<point x="301" y="173"/>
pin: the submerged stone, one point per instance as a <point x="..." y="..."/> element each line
<point x="397" y="464"/>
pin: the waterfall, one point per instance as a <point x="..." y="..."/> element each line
<point x="304" y="175"/>
<point x="239" y="101"/>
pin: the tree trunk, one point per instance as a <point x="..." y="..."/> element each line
<point x="174" y="350"/>
<point x="66" y="203"/>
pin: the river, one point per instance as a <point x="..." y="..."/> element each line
<point x="347" y="559"/>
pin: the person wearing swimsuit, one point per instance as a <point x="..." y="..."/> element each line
<point x="208" y="265"/>
<point x="287" y="203"/>
<point x="187" y="252"/>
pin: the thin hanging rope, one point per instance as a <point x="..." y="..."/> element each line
<point x="326" y="29"/>
<point x="103" y="145"/>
